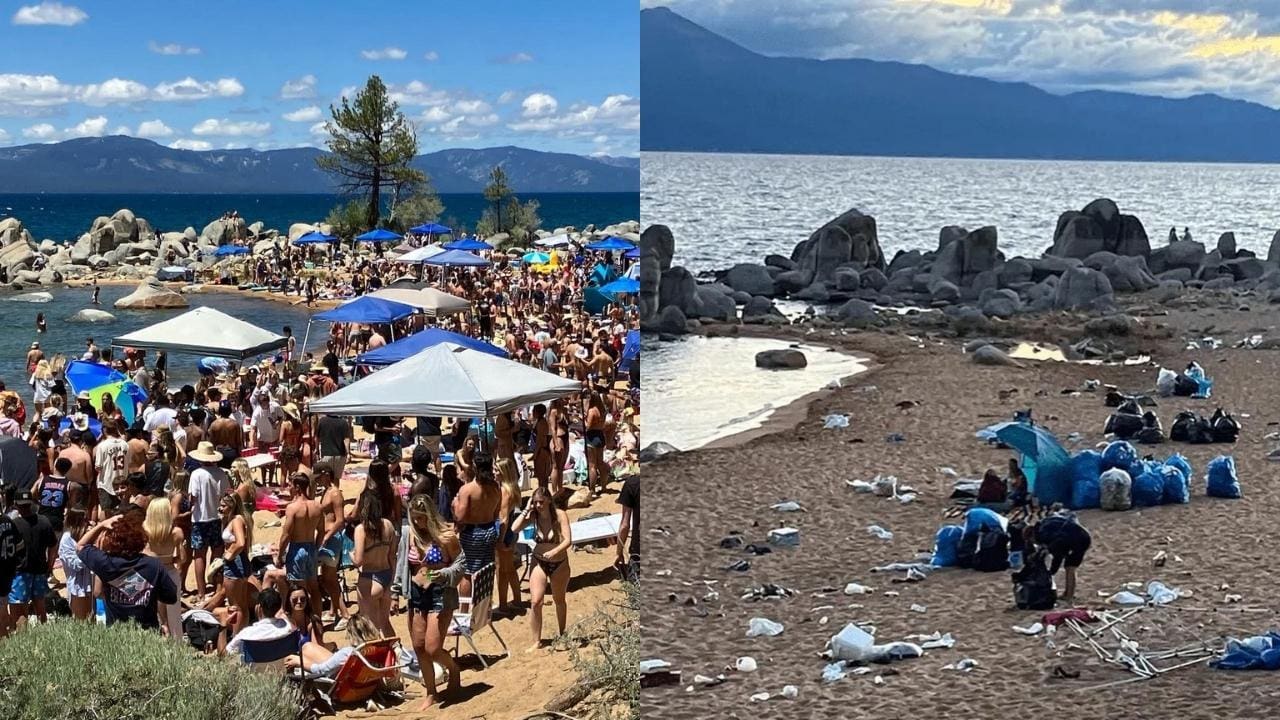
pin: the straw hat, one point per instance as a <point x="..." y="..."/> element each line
<point x="291" y="410"/>
<point x="82" y="395"/>
<point x="243" y="371"/>
<point x="206" y="453"/>
<point x="318" y="368"/>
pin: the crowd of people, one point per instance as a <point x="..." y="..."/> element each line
<point x="153" y="521"/>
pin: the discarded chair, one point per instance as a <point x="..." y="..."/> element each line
<point x="472" y="614"/>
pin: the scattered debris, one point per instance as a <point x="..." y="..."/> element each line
<point x="1033" y="629"/>
<point x="785" y="537"/>
<point x="964" y="665"/>
<point x="854" y="588"/>
<point x="760" y="697"/>
<point x="768" y="591"/>
<point x="879" y="532"/>
<point x="663" y="573"/>
<point x="934" y="641"/>
<point x="919" y="608"/>
<point x="745" y="664"/>
<point x="763" y="627"/>
<point x="657" y="672"/>
<point x="788" y="506"/>
<point x="790" y="692"/>
<point x="739" y="566"/>
<point x="835" y="422"/>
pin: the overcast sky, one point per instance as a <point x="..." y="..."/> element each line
<point x="560" y="76"/>
<point x="1164" y="47"/>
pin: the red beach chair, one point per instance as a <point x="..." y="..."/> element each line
<point x="363" y="674"/>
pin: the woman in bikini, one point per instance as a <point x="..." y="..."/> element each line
<point x="375" y="556"/>
<point x="597" y="471"/>
<point x="180" y="511"/>
<point x="542" y="453"/>
<point x="242" y="483"/>
<point x="507" y="577"/>
<point x="167" y="544"/>
<point x="552" y="538"/>
<point x="558" y="422"/>
<point x="465" y="458"/>
<point x="435" y="567"/>
<point x="298" y="608"/>
<point x="290" y="440"/>
<point x="237" y="538"/>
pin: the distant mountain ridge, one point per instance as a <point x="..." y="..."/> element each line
<point x="121" y="164"/>
<point x="702" y="92"/>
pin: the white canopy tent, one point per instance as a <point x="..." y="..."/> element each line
<point x="447" y="380"/>
<point x="204" y="331"/>
<point x="432" y="302"/>
<point x="417" y="255"/>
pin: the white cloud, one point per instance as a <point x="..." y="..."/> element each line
<point x="154" y="129"/>
<point x="189" y="88"/>
<point x="310" y="113"/>
<point x="303" y="87"/>
<point x="507" y="97"/>
<point x="111" y="91"/>
<point x="90" y="127"/>
<point x="431" y="56"/>
<point x="40" y="131"/>
<point x="4" y="135"/>
<point x="172" y="49"/>
<point x="617" y="112"/>
<point x="187" y="144"/>
<point x="231" y="128"/>
<point x="49" y="13"/>
<point x="386" y="53"/>
<point x="515" y="58"/>
<point x="539" y="105"/>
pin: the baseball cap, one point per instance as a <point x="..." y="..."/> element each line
<point x="23" y="498"/>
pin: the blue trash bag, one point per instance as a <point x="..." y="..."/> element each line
<point x="1148" y="485"/>
<point x="1121" y="454"/>
<point x="1204" y="383"/>
<point x="1260" y="652"/>
<point x="1222" y="480"/>
<point x="1177" y="486"/>
<point x="1086" y="491"/>
<point x="983" y="519"/>
<point x="946" y="544"/>
<point x="1181" y="463"/>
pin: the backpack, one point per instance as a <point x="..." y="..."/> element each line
<point x="1033" y="585"/>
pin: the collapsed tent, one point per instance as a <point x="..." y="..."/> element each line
<point x="447" y="380"/>
<point x="406" y="348"/>
<point x="204" y="331"/>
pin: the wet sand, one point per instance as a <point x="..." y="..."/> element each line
<point x="699" y="497"/>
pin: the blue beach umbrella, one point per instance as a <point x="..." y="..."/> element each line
<point x="611" y="243"/>
<point x="378" y="235"/>
<point x="625" y="285"/>
<point x="536" y="258"/>
<point x="468" y="244"/>
<point x="431" y="229"/>
<point x="315" y="237"/>
<point x="456" y="258"/>
<point x="225" y="250"/>
<point x="1044" y="461"/>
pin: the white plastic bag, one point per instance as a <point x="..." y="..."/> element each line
<point x="879" y="532"/>
<point x="1165" y="382"/>
<point x="763" y="626"/>
<point x="851" y="644"/>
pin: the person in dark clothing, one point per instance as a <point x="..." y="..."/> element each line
<point x="12" y="553"/>
<point x="1067" y="541"/>
<point x="133" y="583"/>
<point x="629" y="528"/>
<point x="31" y="583"/>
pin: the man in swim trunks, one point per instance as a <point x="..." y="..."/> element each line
<point x="1067" y="541"/>
<point x="332" y="540"/>
<point x="303" y="523"/>
<point x="476" y="509"/>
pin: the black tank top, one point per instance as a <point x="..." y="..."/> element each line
<point x="53" y="497"/>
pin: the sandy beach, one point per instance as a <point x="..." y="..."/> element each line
<point x="700" y="497"/>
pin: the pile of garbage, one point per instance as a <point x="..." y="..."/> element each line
<point x="1117" y="479"/>
<point x="981" y="544"/>
<point x="1192" y="382"/>
<point x="1128" y="422"/>
<point x="1191" y="428"/>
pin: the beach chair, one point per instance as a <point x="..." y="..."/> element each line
<point x="472" y="614"/>
<point x="366" y="672"/>
<point x="270" y="654"/>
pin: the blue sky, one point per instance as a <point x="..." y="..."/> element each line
<point x="559" y="75"/>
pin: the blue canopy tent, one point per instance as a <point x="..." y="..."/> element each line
<point x="225" y="250"/>
<point x="602" y="275"/>
<point x="625" y="285"/>
<point x="315" y="237"/>
<point x="1043" y="460"/>
<point x="419" y="341"/>
<point x="630" y="350"/>
<point x="469" y="244"/>
<point x="456" y="258"/>
<point x="611" y="243"/>
<point x="379" y="235"/>
<point x="632" y="254"/>
<point x="367" y="310"/>
<point x="431" y="229"/>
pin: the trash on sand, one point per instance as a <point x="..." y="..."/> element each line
<point x="1032" y="629"/>
<point x="919" y="608"/>
<point x="861" y="486"/>
<point x="1232" y="599"/>
<point x="834" y="672"/>
<point x="913" y="576"/>
<point x="763" y="627"/>
<point x="705" y="681"/>
<point x="879" y="532"/>
<point x="768" y="591"/>
<point x="885" y="485"/>
<point x="745" y="664"/>
<point x="879" y="680"/>
<point x="790" y="692"/>
<point x="760" y="697"/>
<point x="895" y="438"/>
<point x="784" y="537"/>
<point x="931" y="642"/>
<point x="964" y="665"/>
<point x="835" y="421"/>
<point x="1162" y="594"/>
<point x="1124" y="597"/>
<point x="788" y="506"/>
<point x="739" y="566"/>
<point x="649" y="666"/>
<point x="663" y="573"/>
<point x="851" y="644"/>
<point x="854" y="588"/>
<point x="657" y="672"/>
<point x="949" y="472"/>
<point x="923" y="568"/>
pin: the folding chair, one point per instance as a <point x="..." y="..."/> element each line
<point x="472" y="615"/>
<point x="270" y="654"/>
<point x="362" y="676"/>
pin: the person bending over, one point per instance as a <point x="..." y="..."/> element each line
<point x="1067" y="541"/>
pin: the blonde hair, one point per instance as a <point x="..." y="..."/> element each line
<point x="58" y="363"/>
<point x="239" y="508"/>
<point x="438" y="531"/>
<point x="182" y="481"/>
<point x="506" y="472"/>
<point x="159" y="523"/>
<point x="361" y="629"/>
<point x="240" y="471"/>
<point x="43" y="370"/>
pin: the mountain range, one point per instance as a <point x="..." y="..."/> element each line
<point x="705" y="93"/>
<point x="121" y="164"/>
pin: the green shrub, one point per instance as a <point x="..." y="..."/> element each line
<point x="86" y="670"/>
<point x="605" y="650"/>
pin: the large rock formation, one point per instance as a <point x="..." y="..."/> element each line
<point x="151" y="297"/>
<point x="657" y="246"/>
<point x="750" y="278"/>
<point x="849" y="239"/>
<point x="1100" y="226"/>
<point x="17" y="249"/>
<point x="964" y="255"/>
<point x="1083" y="288"/>
<point x="89" y="315"/>
<point x="122" y="227"/>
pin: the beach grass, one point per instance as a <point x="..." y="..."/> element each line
<point x="71" y="669"/>
<point x="605" y="650"/>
